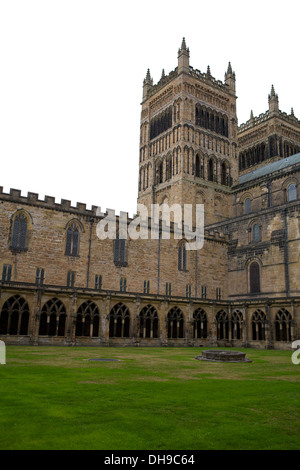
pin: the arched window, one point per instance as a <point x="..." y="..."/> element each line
<point x="148" y="322"/>
<point x="222" y="325"/>
<point x="259" y="322"/>
<point x="175" y="323"/>
<point x="223" y="173"/>
<point x="87" y="321"/>
<point x="53" y="318"/>
<point x="160" y="173"/>
<point x="182" y="256"/>
<point x="198" y="167"/>
<point x="72" y="240"/>
<point x="248" y="206"/>
<point x="14" y="317"/>
<point x="19" y="232"/>
<point x="256" y="233"/>
<point x="292" y="192"/>
<point x="210" y="173"/>
<point x="237" y="325"/>
<point x="283" y="325"/>
<point x="119" y="320"/>
<point x="254" y="273"/>
<point x="168" y="168"/>
<point x="200" y="323"/>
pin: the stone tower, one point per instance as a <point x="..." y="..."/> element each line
<point x="188" y="132"/>
<point x="269" y="137"/>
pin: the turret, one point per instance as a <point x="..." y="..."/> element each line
<point x="230" y="78"/>
<point x="147" y="84"/>
<point x="183" y="58"/>
<point x="273" y="102"/>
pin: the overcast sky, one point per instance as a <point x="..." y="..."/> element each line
<point x="71" y="75"/>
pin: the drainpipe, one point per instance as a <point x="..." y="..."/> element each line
<point x="196" y="272"/>
<point x="286" y="253"/>
<point x="158" y="261"/>
<point x="89" y="255"/>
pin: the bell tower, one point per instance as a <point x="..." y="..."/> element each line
<point x="188" y="132"/>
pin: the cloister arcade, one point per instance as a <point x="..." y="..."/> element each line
<point x="177" y="323"/>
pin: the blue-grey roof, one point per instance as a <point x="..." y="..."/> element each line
<point x="271" y="168"/>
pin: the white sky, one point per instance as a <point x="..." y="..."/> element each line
<point x="71" y="75"/>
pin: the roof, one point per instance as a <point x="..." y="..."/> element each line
<point x="271" y="168"/>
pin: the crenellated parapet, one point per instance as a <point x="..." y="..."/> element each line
<point x="48" y="202"/>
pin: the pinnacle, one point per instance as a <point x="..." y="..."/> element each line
<point x="183" y="44"/>
<point x="272" y="91"/>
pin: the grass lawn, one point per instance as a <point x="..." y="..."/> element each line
<point x="151" y="399"/>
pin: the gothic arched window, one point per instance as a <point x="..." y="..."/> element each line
<point x="19" y="232"/>
<point x="237" y="325"/>
<point x="14" y="317"/>
<point x="87" y="320"/>
<point x="175" y="323"/>
<point x="200" y="323"/>
<point x="182" y="256"/>
<point x="259" y="321"/>
<point x="198" y="167"/>
<point x="248" y="205"/>
<point x="222" y="325"/>
<point x="283" y="325"/>
<point x="292" y="193"/>
<point x="254" y="273"/>
<point x="119" y="320"/>
<point x="210" y="172"/>
<point x="53" y="318"/>
<point x="148" y="322"/>
<point x="72" y="240"/>
<point x="256" y="233"/>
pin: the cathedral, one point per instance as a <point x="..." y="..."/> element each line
<point x="63" y="284"/>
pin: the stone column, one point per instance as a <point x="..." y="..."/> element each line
<point x="35" y="318"/>
<point x="71" y="320"/>
<point x="163" y="323"/>
<point x="269" y="328"/>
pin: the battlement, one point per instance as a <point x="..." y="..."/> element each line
<point x="208" y="79"/>
<point x="263" y="117"/>
<point x="48" y="202"/>
<point x="254" y="121"/>
<point x="204" y="77"/>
